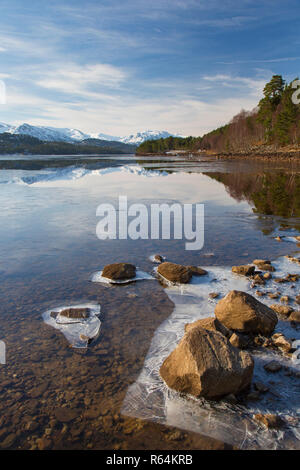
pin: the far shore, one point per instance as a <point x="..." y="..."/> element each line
<point x="261" y="153"/>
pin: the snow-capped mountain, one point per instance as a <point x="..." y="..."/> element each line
<point x="141" y="137"/>
<point x="53" y="134"/>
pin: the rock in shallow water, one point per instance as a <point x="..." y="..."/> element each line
<point x="205" y="364"/>
<point x="175" y="272"/>
<point x="119" y="271"/>
<point x="75" y="313"/>
<point x="245" y="270"/>
<point x="241" y="312"/>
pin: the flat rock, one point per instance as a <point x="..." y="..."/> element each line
<point x="205" y="364"/>
<point x="245" y="270"/>
<point x="76" y="313"/>
<point x="175" y="272"/>
<point x="241" y="312"/>
<point x="119" y="271"/>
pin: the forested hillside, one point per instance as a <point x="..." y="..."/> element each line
<point x="24" y="144"/>
<point x="275" y="121"/>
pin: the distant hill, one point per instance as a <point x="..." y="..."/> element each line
<point x="25" y="144"/>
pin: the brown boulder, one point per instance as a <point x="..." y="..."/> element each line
<point x="241" y="312"/>
<point x="175" y="272"/>
<point x="205" y="364"/>
<point x="76" y="313"/>
<point x="297" y="299"/>
<point x="119" y="271"/>
<point x="211" y="324"/>
<point x="245" y="270"/>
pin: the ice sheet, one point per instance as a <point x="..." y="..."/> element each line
<point x="76" y="330"/>
<point x="149" y="398"/>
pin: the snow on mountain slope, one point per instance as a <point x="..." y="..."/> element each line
<point x="53" y="134"/>
<point x="140" y="137"/>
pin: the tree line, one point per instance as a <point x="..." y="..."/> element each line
<point x="275" y="121"/>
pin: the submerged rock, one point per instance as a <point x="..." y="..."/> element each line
<point x="260" y="387"/>
<point x="245" y="270"/>
<point x="158" y="259"/>
<point x="273" y="366"/>
<point x="175" y="272"/>
<point x="297" y="299"/>
<point x="75" y="313"/>
<point x="210" y="323"/>
<point x="205" y="364"/>
<point x="241" y="312"/>
<point x="119" y="271"/>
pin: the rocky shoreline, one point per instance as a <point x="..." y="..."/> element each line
<point x="265" y="153"/>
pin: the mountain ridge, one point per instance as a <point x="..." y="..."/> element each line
<point x="71" y="135"/>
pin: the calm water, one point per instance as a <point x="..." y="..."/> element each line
<point x="53" y="396"/>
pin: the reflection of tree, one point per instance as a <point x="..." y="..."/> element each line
<point x="270" y="193"/>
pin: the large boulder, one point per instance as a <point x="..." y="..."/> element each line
<point x="205" y="364"/>
<point x="210" y="323"/>
<point x="175" y="272"/>
<point x="119" y="271"/>
<point x="241" y="312"/>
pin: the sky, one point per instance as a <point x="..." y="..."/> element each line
<point x="123" y="66"/>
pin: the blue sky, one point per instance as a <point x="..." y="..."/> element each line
<point x="118" y="67"/>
